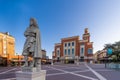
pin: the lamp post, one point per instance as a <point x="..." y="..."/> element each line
<point x="117" y="52"/>
<point x="18" y="58"/>
<point x="8" y="63"/>
<point x="106" y="60"/>
<point x="108" y="52"/>
<point x="18" y="61"/>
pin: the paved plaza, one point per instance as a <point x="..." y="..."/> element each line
<point x="68" y="72"/>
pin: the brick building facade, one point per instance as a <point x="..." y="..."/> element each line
<point x="72" y="49"/>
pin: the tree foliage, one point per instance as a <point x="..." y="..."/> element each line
<point x="116" y="50"/>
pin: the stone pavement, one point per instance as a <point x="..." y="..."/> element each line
<point x="70" y="72"/>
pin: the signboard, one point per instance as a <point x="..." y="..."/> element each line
<point x="68" y="58"/>
<point x="109" y="51"/>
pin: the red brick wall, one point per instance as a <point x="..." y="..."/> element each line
<point x="86" y="48"/>
<point x="87" y="45"/>
<point x="76" y="39"/>
<point x="58" y="46"/>
<point x="90" y="46"/>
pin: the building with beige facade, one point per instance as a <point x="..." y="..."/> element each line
<point x="7" y="46"/>
<point x="99" y="56"/>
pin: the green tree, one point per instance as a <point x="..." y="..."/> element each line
<point x="116" y="50"/>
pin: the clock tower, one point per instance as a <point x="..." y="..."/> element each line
<point x="86" y="35"/>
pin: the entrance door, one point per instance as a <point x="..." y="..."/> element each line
<point x="82" y="59"/>
<point x="58" y="59"/>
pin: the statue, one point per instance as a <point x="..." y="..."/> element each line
<point x="32" y="46"/>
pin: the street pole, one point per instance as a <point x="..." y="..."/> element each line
<point x="18" y="61"/>
<point x="105" y="62"/>
<point x="106" y="59"/>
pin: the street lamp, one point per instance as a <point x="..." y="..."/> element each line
<point x="19" y="59"/>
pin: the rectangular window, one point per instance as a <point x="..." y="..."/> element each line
<point x="58" y="52"/>
<point x="68" y="51"/>
<point x="72" y="43"/>
<point x="65" y="51"/>
<point x="4" y="47"/>
<point x="82" y="50"/>
<point x="4" y="51"/>
<point x="69" y="44"/>
<point x="90" y="51"/>
<point x="72" y="50"/>
<point x="65" y="44"/>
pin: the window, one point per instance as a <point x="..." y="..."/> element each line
<point x="65" y="51"/>
<point x="4" y="51"/>
<point x="68" y="51"/>
<point x="68" y="44"/>
<point x="4" y="47"/>
<point x="82" y="43"/>
<point x="82" y="50"/>
<point x="65" y="44"/>
<point x="72" y="50"/>
<point x="72" y="43"/>
<point x="90" y="51"/>
<point x="58" y="52"/>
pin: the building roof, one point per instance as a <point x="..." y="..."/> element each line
<point x="6" y="33"/>
<point x="43" y="50"/>
<point x="70" y="37"/>
<point x="57" y="44"/>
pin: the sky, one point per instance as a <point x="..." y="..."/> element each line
<point x="62" y="18"/>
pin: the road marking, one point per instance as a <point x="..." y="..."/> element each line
<point x="8" y="71"/>
<point x="81" y="71"/>
<point x="103" y="70"/>
<point x="55" y="74"/>
<point x="90" y="78"/>
<point x="66" y="73"/>
<point x="61" y="66"/>
<point x="74" y="72"/>
<point x="68" y="67"/>
<point x="96" y="73"/>
<point x="9" y="79"/>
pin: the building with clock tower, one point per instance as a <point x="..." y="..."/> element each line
<point x="73" y="49"/>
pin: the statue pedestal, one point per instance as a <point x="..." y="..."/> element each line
<point x="31" y="74"/>
<point x="31" y="69"/>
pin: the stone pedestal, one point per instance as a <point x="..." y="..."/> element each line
<point x="31" y="69"/>
<point x="41" y="75"/>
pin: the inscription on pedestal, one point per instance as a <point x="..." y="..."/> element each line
<point x="30" y="69"/>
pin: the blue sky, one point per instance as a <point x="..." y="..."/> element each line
<point x="62" y="18"/>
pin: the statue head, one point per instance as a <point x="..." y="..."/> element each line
<point x="33" y="22"/>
